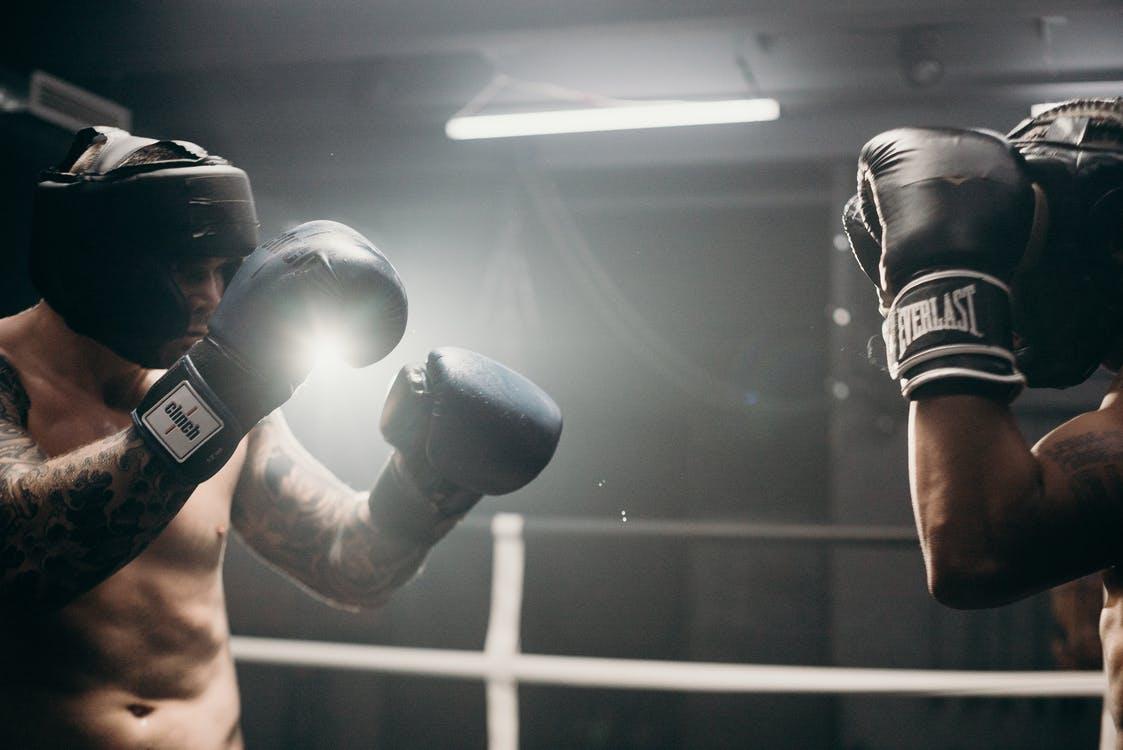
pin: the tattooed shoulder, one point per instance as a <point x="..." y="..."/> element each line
<point x="16" y="446"/>
<point x="14" y="401"/>
<point x="1087" y="450"/>
<point x="1094" y="462"/>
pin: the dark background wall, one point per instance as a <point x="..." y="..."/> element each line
<point x="673" y="290"/>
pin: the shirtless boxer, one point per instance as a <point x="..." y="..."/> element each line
<point x="999" y="262"/>
<point x="119" y="481"/>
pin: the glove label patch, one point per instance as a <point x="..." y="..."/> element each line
<point x="951" y="324"/>
<point x="956" y="312"/>
<point x="181" y="421"/>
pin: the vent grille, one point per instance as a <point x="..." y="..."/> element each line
<point x="68" y="106"/>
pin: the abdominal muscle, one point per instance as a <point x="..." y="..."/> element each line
<point x="140" y="661"/>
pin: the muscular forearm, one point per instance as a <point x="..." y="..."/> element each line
<point x="366" y="564"/>
<point x="967" y="455"/>
<point x="974" y="485"/>
<point x="999" y="521"/>
<point x="302" y="519"/>
<point x="346" y="562"/>
<point x="68" y="523"/>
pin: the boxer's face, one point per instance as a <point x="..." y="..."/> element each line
<point x="202" y="281"/>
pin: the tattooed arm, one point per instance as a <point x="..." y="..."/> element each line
<point x="999" y="521"/>
<point x="68" y="523"/>
<point x="300" y="518"/>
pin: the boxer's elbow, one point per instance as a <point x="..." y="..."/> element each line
<point x="969" y="584"/>
<point x="969" y="570"/>
<point x="974" y="543"/>
<point x="367" y="589"/>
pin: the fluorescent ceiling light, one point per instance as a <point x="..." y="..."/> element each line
<point x="626" y="117"/>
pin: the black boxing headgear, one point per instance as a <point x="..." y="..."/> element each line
<point x="1068" y="292"/>
<point x="110" y="222"/>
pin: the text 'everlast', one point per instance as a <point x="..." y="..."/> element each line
<point x="953" y="311"/>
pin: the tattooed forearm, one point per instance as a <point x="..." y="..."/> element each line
<point x="302" y="519"/>
<point x="70" y="522"/>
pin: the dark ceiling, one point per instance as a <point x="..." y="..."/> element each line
<point x="840" y="70"/>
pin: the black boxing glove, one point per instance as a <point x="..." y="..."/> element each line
<point x="320" y="276"/>
<point x="939" y="223"/>
<point x="463" y="426"/>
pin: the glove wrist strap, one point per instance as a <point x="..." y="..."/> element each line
<point x="184" y="422"/>
<point x="414" y="507"/>
<point x="949" y="331"/>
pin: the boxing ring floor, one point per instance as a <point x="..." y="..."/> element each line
<point x="502" y="666"/>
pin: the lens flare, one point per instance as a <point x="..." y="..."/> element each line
<point x="327" y="354"/>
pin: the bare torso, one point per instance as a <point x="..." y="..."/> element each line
<point x="1111" y="617"/>
<point x="142" y="660"/>
<point x="1111" y="634"/>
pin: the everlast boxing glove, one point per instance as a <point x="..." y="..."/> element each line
<point x="464" y="426"/>
<point x="317" y="277"/>
<point x="939" y="223"/>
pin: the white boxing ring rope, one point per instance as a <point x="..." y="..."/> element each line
<point x="502" y="666"/>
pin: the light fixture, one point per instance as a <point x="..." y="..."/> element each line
<point x="631" y="116"/>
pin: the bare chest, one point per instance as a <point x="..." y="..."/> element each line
<point x="61" y="420"/>
<point x="195" y="539"/>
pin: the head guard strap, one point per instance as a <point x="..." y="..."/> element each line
<point x="1068" y="292"/>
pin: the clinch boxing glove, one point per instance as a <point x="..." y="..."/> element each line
<point x="463" y="426"/>
<point x="320" y="276"/>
